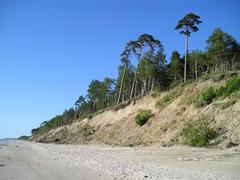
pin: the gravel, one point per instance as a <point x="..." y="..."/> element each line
<point x="136" y="163"/>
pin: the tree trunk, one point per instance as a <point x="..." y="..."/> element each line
<point x="185" y="63"/>
<point x="121" y="86"/>
<point x="144" y="89"/>
<point x="196" y="72"/>
<point x="149" y="85"/>
<point x="135" y="89"/>
<point x="123" y="97"/>
<point x="152" y="84"/>
<point x="134" y="82"/>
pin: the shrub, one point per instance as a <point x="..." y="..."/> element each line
<point x="220" y="91"/>
<point x="198" y="133"/>
<point x="142" y="117"/>
<point x="232" y="85"/>
<point x="86" y="130"/>
<point x="226" y="104"/>
<point x="168" y="97"/>
<point x="206" y="97"/>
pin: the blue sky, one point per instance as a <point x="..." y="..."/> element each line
<point x="51" y="49"/>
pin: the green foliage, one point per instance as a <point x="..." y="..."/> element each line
<point x="225" y="104"/>
<point x="188" y="24"/>
<point x="100" y="93"/>
<point x="23" y="137"/>
<point x="175" y="70"/>
<point x="235" y="95"/>
<point x="68" y="116"/>
<point x="151" y="69"/>
<point x="223" y="50"/>
<point x="142" y="117"/>
<point x="198" y="63"/>
<point x="219" y="43"/>
<point x="220" y="91"/>
<point x="198" y="133"/>
<point x="65" y="118"/>
<point x="233" y="85"/>
<point x="207" y="97"/>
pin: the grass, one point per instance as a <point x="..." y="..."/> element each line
<point x="225" y="104"/>
<point x="206" y="97"/>
<point x="155" y="92"/>
<point x="86" y="130"/>
<point x="169" y="97"/>
<point x="209" y="95"/>
<point x="164" y="127"/>
<point x="198" y="133"/>
<point x="142" y="117"/>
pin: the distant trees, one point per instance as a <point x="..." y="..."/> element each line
<point x="101" y="93"/>
<point x="224" y="50"/>
<point x="175" y="70"/>
<point x="187" y="25"/>
<point x="199" y="63"/>
<point x="34" y="131"/>
<point x="78" y="106"/>
<point x="68" y="116"/>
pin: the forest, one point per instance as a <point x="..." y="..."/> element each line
<point x="152" y="72"/>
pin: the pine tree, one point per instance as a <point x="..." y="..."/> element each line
<point x="187" y="25"/>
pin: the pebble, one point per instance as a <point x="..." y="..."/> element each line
<point x="189" y="159"/>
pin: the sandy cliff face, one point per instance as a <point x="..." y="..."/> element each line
<point x="118" y="127"/>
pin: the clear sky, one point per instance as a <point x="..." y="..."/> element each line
<point x="51" y="49"/>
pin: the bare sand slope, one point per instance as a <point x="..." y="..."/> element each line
<point x="36" y="161"/>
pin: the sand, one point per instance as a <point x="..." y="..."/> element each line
<point x="36" y="161"/>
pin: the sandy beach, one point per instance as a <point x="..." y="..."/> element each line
<point x="29" y="160"/>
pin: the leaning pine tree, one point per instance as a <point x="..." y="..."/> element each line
<point x="124" y="59"/>
<point x="188" y="24"/>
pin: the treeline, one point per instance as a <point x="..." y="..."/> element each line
<point x="152" y="72"/>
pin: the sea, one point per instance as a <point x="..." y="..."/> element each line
<point x="6" y="141"/>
